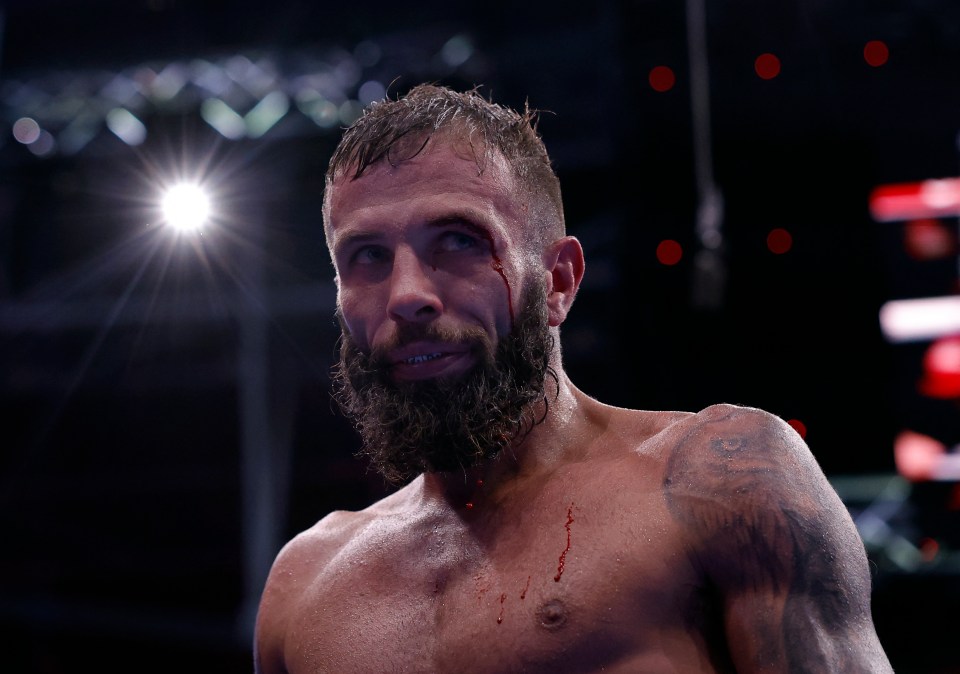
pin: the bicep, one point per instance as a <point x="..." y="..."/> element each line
<point x="774" y="540"/>
<point x="808" y="609"/>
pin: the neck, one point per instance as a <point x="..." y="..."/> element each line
<point x="542" y="450"/>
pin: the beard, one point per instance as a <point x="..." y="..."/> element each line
<point x="455" y="423"/>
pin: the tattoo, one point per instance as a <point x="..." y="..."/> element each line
<point x="754" y="508"/>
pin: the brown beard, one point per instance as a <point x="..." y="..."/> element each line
<point x="448" y="424"/>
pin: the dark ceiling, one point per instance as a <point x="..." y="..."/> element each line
<point x="167" y="418"/>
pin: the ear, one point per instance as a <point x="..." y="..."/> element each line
<point x="564" y="267"/>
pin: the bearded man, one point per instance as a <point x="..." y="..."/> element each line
<point x="535" y="528"/>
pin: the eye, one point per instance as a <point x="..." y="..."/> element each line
<point x="370" y="255"/>
<point x="453" y="241"/>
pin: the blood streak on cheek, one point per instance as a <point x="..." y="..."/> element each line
<point x="498" y="267"/>
<point x="563" y="555"/>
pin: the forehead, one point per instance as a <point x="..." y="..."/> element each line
<point x="442" y="174"/>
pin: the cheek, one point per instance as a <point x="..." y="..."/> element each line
<point x="355" y="319"/>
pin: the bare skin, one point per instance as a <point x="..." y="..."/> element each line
<point x="607" y="539"/>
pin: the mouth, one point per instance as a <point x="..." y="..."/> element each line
<point x="416" y="360"/>
<point x="422" y="361"/>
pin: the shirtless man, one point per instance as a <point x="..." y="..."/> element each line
<point x="537" y="529"/>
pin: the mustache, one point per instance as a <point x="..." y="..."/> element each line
<point x="407" y="333"/>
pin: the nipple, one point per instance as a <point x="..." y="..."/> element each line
<point x="552" y="615"/>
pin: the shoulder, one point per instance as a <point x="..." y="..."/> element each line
<point x="730" y="465"/>
<point x="745" y="486"/>
<point x="307" y="563"/>
<point x="728" y="440"/>
<point x="314" y="550"/>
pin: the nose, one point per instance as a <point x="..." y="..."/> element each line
<point x="413" y="293"/>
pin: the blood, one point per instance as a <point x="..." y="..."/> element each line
<point x="523" y="595"/>
<point x="563" y="555"/>
<point x="498" y="267"/>
<point x="503" y="598"/>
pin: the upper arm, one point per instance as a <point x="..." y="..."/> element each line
<point x="272" y="613"/>
<point x="776" y="543"/>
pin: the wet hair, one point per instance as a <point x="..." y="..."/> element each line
<point x="398" y="130"/>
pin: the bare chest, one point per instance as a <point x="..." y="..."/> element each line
<point x="573" y="584"/>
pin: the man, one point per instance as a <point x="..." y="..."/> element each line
<point x="537" y="529"/>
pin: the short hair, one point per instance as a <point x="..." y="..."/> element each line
<point x="405" y="126"/>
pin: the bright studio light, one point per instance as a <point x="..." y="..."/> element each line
<point x="186" y="207"/>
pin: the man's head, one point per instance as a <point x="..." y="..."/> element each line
<point x="396" y="130"/>
<point x="453" y="275"/>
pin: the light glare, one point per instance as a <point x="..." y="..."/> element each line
<point x="186" y="207"/>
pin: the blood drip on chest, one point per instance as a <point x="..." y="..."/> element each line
<point x="563" y="555"/>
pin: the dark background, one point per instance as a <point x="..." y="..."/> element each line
<point x="166" y="417"/>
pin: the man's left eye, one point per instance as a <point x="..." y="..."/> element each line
<point x="455" y="241"/>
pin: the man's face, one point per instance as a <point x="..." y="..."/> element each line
<point x="449" y="423"/>
<point x="430" y="271"/>
<point x="430" y="241"/>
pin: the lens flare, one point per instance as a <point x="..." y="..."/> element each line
<point x="186" y="207"/>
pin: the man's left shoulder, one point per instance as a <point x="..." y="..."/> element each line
<point x="732" y="446"/>
<point x="729" y="428"/>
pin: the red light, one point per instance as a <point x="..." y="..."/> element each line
<point x="662" y="78"/>
<point x="798" y="426"/>
<point x="929" y="549"/>
<point x="669" y="252"/>
<point x="928" y="239"/>
<point x="767" y="66"/>
<point x="779" y="241"/>
<point x="941" y="368"/>
<point x="875" y="53"/>
<point x="925" y="199"/>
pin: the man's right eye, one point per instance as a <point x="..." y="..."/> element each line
<point x="370" y="255"/>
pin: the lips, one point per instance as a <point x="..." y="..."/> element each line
<point x="423" y="360"/>
<point x="416" y="360"/>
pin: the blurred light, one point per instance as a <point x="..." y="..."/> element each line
<point x="44" y="145"/>
<point x="779" y="241"/>
<point x="920" y="319"/>
<point x="669" y="252"/>
<point x="920" y="457"/>
<point x="798" y="426"/>
<point x="371" y="91"/>
<point x="875" y="53"/>
<point x="126" y="126"/>
<point x="168" y="83"/>
<point x="767" y="66"/>
<point x="185" y="207"/>
<point x="265" y="114"/>
<point x="120" y="89"/>
<point x="925" y="199"/>
<point x="367" y="53"/>
<point x="929" y="548"/>
<point x="941" y="369"/>
<point x="661" y="78"/>
<point x="26" y="130"/>
<point x="223" y="118"/>
<point x="350" y="112"/>
<point x="323" y="112"/>
<point x="929" y="239"/>
<point x="79" y="132"/>
<point x="456" y="51"/>
<point x="210" y="77"/>
<point x="346" y="71"/>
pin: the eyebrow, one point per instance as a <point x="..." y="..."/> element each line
<point x="467" y="220"/>
<point x="464" y="219"/>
